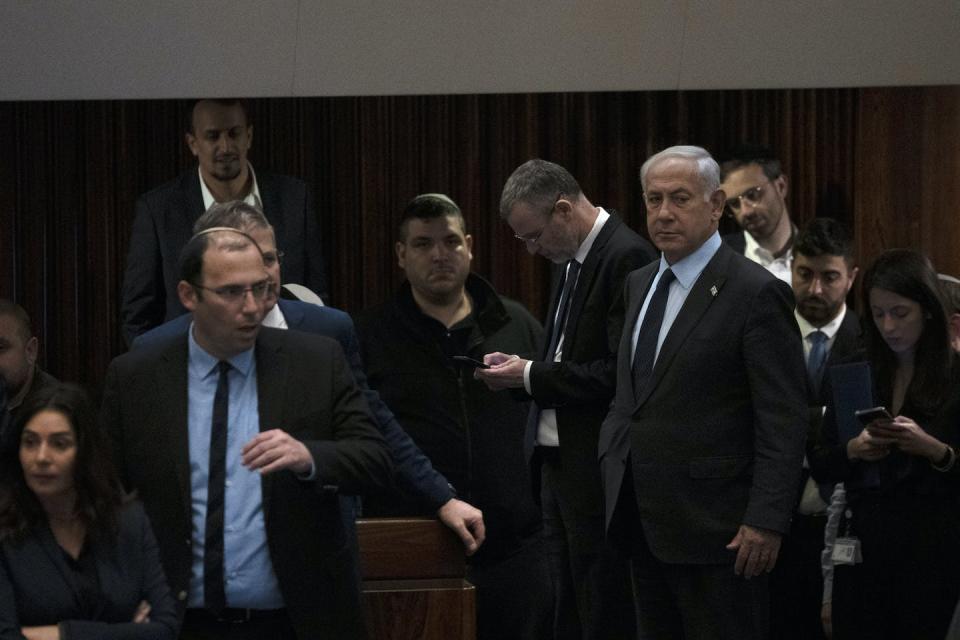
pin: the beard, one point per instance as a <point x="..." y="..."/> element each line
<point x="817" y="311"/>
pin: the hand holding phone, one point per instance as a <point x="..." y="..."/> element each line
<point x="866" y="416"/>
<point x="471" y="361"/>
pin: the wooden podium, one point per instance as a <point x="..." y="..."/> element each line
<point x="414" y="585"/>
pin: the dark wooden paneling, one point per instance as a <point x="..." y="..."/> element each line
<point x="884" y="159"/>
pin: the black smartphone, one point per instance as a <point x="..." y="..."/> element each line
<point x="866" y="416"/>
<point x="471" y="361"/>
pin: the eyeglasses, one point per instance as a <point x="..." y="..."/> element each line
<point x="535" y="238"/>
<point x="753" y="196"/>
<point x="235" y="293"/>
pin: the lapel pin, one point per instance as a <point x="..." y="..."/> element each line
<point x="713" y="290"/>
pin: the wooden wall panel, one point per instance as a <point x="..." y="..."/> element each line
<point x="884" y="159"/>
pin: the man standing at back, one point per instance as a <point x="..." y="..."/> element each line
<point x="572" y="384"/>
<point x="20" y="377"/>
<point x="238" y="440"/>
<point x="756" y="190"/>
<point x="219" y="135"/>
<point x="702" y="450"/>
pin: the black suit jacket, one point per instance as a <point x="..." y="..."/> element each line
<point x="38" y="588"/>
<point x="304" y="387"/>
<point x="581" y="386"/>
<point x="163" y="224"/>
<point x="717" y="438"/>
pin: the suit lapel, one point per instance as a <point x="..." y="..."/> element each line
<point x="170" y="414"/>
<point x="193" y="196"/>
<point x="55" y="552"/>
<point x="292" y="313"/>
<point x="705" y="290"/>
<point x="588" y="273"/>
<point x="272" y="363"/>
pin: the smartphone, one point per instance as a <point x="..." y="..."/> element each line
<point x="471" y="361"/>
<point x="866" y="416"/>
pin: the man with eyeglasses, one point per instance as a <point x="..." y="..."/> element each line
<point x="572" y="384"/>
<point x="756" y="189"/>
<point x="239" y="440"/>
<point x="415" y="474"/>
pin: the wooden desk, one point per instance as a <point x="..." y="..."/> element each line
<point x="414" y="585"/>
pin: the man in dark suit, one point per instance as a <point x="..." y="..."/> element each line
<point x="238" y="440"/>
<point x="823" y="273"/>
<point x="572" y="385"/>
<point x="701" y="452"/>
<point x="415" y="474"/>
<point x="220" y="136"/>
<point x="756" y="190"/>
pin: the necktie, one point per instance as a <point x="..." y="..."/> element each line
<point x="816" y="359"/>
<point x="563" y="307"/>
<point x="213" y="590"/>
<point x="646" y="350"/>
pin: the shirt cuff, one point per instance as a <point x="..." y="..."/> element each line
<point x="526" y="376"/>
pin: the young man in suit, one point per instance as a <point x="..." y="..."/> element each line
<point x="756" y="191"/>
<point x="701" y="452"/>
<point x="571" y="385"/>
<point x="823" y="273"/>
<point x="219" y="135"/>
<point x="415" y="473"/>
<point x="239" y="440"/>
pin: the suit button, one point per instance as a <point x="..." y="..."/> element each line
<point x="188" y="541"/>
<point x="182" y="596"/>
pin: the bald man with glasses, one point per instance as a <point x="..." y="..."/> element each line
<point x="756" y="190"/>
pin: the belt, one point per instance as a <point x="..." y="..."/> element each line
<point x="233" y="616"/>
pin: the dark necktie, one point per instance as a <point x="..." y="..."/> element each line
<point x="213" y="591"/>
<point x="646" y="350"/>
<point x="816" y="359"/>
<point x="563" y="307"/>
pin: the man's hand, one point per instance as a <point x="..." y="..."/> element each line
<point x="868" y="446"/>
<point x="505" y="372"/>
<point x="49" y="632"/>
<point x="142" y="614"/>
<point x="826" y="619"/>
<point x="276" y="450"/>
<point x="756" y="549"/>
<point x="466" y="521"/>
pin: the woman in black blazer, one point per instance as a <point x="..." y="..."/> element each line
<point x="901" y="473"/>
<point x="77" y="559"/>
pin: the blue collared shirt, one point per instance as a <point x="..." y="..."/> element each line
<point x="687" y="272"/>
<point x="248" y="571"/>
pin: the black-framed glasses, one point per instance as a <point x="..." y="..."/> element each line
<point x="752" y="196"/>
<point x="235" y="293"/>
<point x="535" y="238"/>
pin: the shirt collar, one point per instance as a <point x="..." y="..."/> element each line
<point x="587" y="244"/>
<point x="688" y="269"/>
<point x="275" y="318"/>
<point x="755" y="252"/>
<point x="202" y="364"/>
<point x="830" y="328"/>
<point x="253" y="198"/>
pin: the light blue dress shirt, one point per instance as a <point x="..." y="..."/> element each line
<point x="687" y="272"/>
<point x="248" y="572"/>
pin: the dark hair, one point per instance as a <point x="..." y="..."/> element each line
<point x="191" y="257"/>
<point x="20" y="316"/>
<point x="535" y="183"/>
<point x="223" y="102"/>
<point x="428" y="206"/>
<point x="99" y="493"/>
<point x="824" y="236"/>
<point x="747" y="154"/>
<point x="910" y="274"/>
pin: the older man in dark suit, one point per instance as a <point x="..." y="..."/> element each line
<point x="701" y="453"/>
<point x="572" y="385"/>
<point x="239" y="439"/>
<point x="220" y="136"/>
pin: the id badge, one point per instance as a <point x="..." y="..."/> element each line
<point x="846" y="551"/>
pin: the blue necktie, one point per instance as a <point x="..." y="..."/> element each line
<point x="646" y="351"/>
<point x="214" y="595"/>
<point x="817" y="359"/>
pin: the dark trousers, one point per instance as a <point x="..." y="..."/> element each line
<point x="198" y="625"/>
<point x="590" y="578"/>
<point x="687" y="601"/>
<point x="796" y="583"/>
<point x="514" y="595"/>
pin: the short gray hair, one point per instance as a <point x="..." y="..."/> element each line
<point x="536" y="182"/>
<point x="235" y="214"/>
<point x="707" y="167"/>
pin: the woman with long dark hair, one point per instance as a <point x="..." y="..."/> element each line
<point x="77" y="559"/>
<point x="906" y="520"/>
